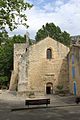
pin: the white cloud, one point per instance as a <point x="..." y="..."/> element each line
<point x="59" y="2"/>
<point x="21" y="30"/>
<point x="65" y="15"/>
<point x="51" y="6"/>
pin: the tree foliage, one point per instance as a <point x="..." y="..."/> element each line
<point x="50" y="29"/>
<point x="6" y="57"/>
<point x="11" y="13"/>
<point x="3" y="36"/>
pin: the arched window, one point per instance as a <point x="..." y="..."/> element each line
<point x="49" y="53"/>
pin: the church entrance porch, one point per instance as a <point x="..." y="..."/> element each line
<point x="49" y="88"/>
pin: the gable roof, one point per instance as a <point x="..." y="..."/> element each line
<point x="48" y="38"/>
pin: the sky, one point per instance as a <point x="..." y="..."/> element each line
<point x="63" y="13"/>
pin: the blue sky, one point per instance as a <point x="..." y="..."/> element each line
<point x="63" y="13"/>
<point x="42" y="3"/>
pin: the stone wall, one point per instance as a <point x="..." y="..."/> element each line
<point x="19" y="50"/>
<point x="36" y="72"/>
<point x="75" y="50"/>
<point x="42" y="70"/>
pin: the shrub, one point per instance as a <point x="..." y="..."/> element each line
<point x="3" y="81"/>
<point x="60" y="89"/>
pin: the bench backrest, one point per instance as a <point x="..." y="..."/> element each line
<point x="37" y="102"/>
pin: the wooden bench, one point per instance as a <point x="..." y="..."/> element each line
<point x="37" y="102"/>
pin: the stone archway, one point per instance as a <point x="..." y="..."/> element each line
<point x="49" y="88"/>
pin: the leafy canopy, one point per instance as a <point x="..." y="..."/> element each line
<point x="11" y="13"/>
<point x="50" y="29"/>
<point x="6" y="57"/>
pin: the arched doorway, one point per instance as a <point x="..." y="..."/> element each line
<point x="49" y="88"/>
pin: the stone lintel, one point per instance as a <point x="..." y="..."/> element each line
<point x="49" y="74"/>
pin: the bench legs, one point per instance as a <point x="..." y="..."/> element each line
<point x="46" y="105"/>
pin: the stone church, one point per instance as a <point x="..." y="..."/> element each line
<point x="40" y="68"/>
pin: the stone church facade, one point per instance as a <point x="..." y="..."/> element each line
<point x="40" y="68"/>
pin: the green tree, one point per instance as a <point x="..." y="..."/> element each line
<point x="50" y="29"/>
<point x="6" y="58"/>
<point x="3" y="36"/>
<point x="10" y="10"/>
<point x="11" y="15"/>
<point x="3" y="76"/>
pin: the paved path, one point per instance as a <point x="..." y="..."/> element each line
<point x="61" y="108"/>
<point x="55" y="100"/>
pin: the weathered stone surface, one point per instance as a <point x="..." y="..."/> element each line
<point x="75" y="51"/>
<point x="38" y="74"/>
